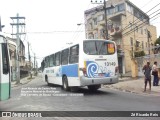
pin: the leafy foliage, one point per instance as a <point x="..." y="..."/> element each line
<point x="139" y="54"/>
<point x="157" y="41"/>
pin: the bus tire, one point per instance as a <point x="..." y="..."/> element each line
<point x="94" y="87"/>
<point x="46" y="79"/>
<point x="65" y="83"/>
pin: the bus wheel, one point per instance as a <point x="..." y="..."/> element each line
<point x="94" y="87"/>
<point x="46" y="79"/>
<point x="65" y="83"/>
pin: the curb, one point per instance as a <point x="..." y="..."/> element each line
<point x="151" y="93"/>
<point x="22" y="82"/>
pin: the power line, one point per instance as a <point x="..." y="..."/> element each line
<point x="132" y="14"/>
<point x="128" y="26"/>
<point x="53" y="32"/>
<point x="141" y="25"/>
<point x="146" y="4"/>
<point x="82" y="21"/>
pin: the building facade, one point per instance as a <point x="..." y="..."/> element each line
<point x="21" y="54"/>
<point x="127" y="25"/>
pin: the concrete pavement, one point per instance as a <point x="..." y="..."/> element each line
<point x="128" y="84"/>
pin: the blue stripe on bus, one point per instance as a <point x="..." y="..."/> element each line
<point x="70" y="70"/>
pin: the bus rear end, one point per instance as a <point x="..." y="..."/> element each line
<point x="99" y="63"/>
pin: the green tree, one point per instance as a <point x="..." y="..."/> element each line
<point x="157" y="41"/>
<point x="139" y="53"/>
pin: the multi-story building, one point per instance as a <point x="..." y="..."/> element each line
<point x="127" y="25"/>
<point x="21" y="54"/>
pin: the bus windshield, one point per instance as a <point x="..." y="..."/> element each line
<point x="98" y="47"/>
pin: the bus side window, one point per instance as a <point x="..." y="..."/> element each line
<point x="46" y="62"/>
<point x="5" y="59"/>
<point x="74" y="54"/>
<point x="57" y="59"/>
<point x="54" y="60"/>
<point x="42" y="65"/>
<point x="51" y="60"/>
<point x="64" y="56"/>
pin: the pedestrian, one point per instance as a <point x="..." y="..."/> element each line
<point x="147" y="73"/>
<point x="155" y="74"/>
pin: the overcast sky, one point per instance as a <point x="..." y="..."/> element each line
<point x="48" y="21"/>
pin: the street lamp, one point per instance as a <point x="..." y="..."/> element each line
<point x="80" y="24"/>
<point x="70" y="43"/>
<point x="1" y="26"/>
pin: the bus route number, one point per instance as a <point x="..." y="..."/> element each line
<point x="110" y="64"/>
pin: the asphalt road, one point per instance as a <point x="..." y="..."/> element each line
<point x="37" y="96"/>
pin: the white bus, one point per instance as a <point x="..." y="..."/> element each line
<point x="5" y="74"/>
<point x="88" y="63"/>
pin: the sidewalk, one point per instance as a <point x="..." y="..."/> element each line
<point x="128" y="84"/>
<point x="22" y="81"/>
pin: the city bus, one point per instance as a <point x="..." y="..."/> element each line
<point x="5" y="73"/>
<point x="88" y="63"/>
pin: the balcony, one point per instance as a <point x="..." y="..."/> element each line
<point x="116" y="16"/>
<point x="115" y="31"/>
<point x="102" y="23"/>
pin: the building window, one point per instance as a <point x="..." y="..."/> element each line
<point x="141" y="17"/>
<point x="129" y="8"/>
<point x="142" y="45"/>
<point x="119" y="8"/>
<point x="131" y="40"/>
<point x="100" y="18"/>
<point x="137" y="29"/>
<point x="130" y="25"/>
<point x="146" y="44"/>
<point x="90" y="26"/>
<point x="110" y="11"/>
<point x="102" y="33"/>
<point x="145" y="31"/>
<point x="95" y="35"/>
<point x="95" y="21"/>
<point x="137" y="43"/>
<point x="141" y="30"/>
<point x="91" y="36"/>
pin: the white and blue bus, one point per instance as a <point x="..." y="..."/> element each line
<point x="88" y="63"/>
<point x="5" y="73"/>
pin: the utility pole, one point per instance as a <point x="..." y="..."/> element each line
<point x="34" y="62"/>
<point x="36" y="68"/>
<point x="1" y="26"/>
<point x="17" y="24"/>
<point x="105" y="16"/>
<point x="29" y="58"/>
<point x="148" y="36"/>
